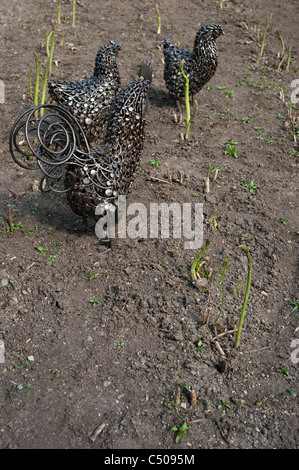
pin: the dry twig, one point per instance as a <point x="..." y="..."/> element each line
<point x="10" y="217"/>
<point x="206" y="316"/>
<point x="97" y="432"/>
<point x="193" y="400"/>
<point x="220" y="350"/>
<point x="159" y="179"/>
<point x="223" y="334"/>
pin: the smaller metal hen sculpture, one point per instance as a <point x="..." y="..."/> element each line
<point x="56" y="144"/>
<point x="89" y="100"/>
<point x="200" y="64"/>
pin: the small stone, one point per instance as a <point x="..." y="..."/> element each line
<point x="201" y="283"/>
<point x="4" y="282"/>
<point x="30" y="358"/>
<point x="239" y="401"/>
<point x="178" y="336"/>
<point x="35" y="186"/>
<point x="107" y="383"/>
<point x="211" y="199"/>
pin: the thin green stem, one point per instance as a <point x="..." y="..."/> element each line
<point x="36" y="89"/>
<point x="246" y="251"/>
<point x="289" y="58"/>
<point x="51" y="51"/>
<point x="264" y="39"/>
<point x="43" y="97"/>
<point x="74" y="12"/>
<point x="48" y="42"/>
<point x="282" y="50"/>
<point x="59" y="10"/>
<point x="30" y="83"/>
<point x="159" y="20"/>
<point x="223" y="269"/>
<point x="191" y="119"/>
<point x="258" y="31"/>
<point x="197" y="259"/>
<point x="187" y="102"/>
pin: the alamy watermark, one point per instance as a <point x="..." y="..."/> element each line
<point x="162" y="220"/>
<point x="295" y="93"/>
<point x="2" y="351"/>
<point x="2" y="92"/>
<point x="295" y="353"/>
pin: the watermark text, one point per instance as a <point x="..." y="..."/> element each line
<point x="161" y="220"/>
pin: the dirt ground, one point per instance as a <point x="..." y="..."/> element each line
<point x="120" y="336"/>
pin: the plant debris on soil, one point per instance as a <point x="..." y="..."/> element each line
<point x="116" y="347"/>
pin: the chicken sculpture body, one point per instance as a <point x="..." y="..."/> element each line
<point x="89" y="100"/>
<point x="199" y="65"/>
<point x="56" y="144"/>
<point x="108" y="171"/>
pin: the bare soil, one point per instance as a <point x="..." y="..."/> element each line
<point x="119" y="336"/>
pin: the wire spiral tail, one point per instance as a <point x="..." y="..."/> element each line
<point x="47" y="137"/>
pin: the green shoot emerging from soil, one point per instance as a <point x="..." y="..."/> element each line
<point x="283" y="372"/>
<point x="295" y="304"/>
<point x="246" y="251"/>
<point x="74" y="12"/>
<point x="223" y="403"/>
<point x="47" y="73"/>
<point x="43" y="97"/>
<point x="36" y="88"/>
<point x="51" y="51"/>
<point x="223" y="269"/>
<point x="196" y="262"/>
<point x="59" y="12"/>
<point x="159" y="19"/>
<point x="189" y="117"/>
<point x="263" y="40"/>
<point x="250" y="186"/>
<point x="155" y="163"/>
<point x="94" y="276"/>
<point x="181" y="431"/>
<point x="229" y="148"/>
<point x="42" y="250"/>
<point x="282" y="50"/>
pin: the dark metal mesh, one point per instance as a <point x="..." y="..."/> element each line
<point x="200" y="64"/>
